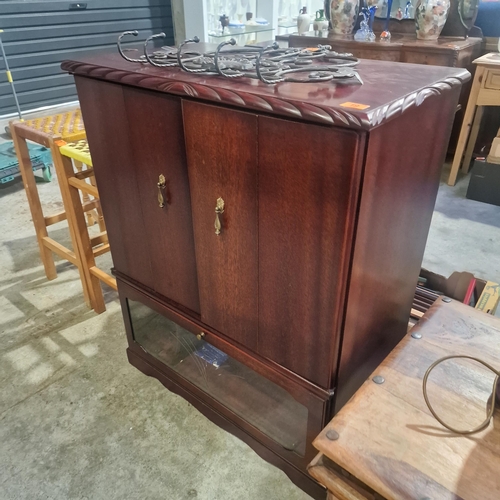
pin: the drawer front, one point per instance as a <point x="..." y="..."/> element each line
<point x="492" y="80"/>
<point x="417" y="57"/>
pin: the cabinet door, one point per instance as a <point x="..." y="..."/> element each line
<point x="157" y="142"/>
<point x="221" y="146"/>
<point x="135" y="136"/>
<point x="106" y="125"/>
<point x="308" y="184"/>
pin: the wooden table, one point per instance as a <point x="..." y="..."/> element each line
<point x="485" y="92"/>
<point x="388" y="442"/>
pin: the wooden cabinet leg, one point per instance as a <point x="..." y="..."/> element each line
<point x="472" y="139"/>
<point x="466" y="126"/>
<point x="29" y="182"/>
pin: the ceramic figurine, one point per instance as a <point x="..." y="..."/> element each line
<point x="386" y="34"/>
<point x="365" y="32"/>
<point x="343" y="16"/>
<point x="224" y="21"/>
<point x="407" y="12"/>
<point x="303" y="21"/>
<point x="321" y="22"/>
<point x="399" y="14"/>
<point x="430" y="17"/>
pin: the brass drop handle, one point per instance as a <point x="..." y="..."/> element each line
<point x="219" y="209"/>
<point x="161" y="187"/>
<point x="200" y="336"/>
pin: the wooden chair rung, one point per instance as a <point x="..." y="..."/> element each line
<point x="53" y="219"/>
<point x="85" y="174"/>
<point x="98" y="239"/>
<point x="60" y="250"/>
<point x="101" y="250"/>
<point x="91" y="205"/>
<point x="83" y="186"/>
<point x="104" y="277"/>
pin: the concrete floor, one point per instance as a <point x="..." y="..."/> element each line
<point x="78" y="422"/>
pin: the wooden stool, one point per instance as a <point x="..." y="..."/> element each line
<point x="71" y="184"/>
<point x="67" y="126"/>
<point x="485" y="92"/>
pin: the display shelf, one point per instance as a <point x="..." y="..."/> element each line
<point x="247" y="30"/>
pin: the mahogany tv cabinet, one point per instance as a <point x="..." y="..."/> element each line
<point x="266" y="239"/>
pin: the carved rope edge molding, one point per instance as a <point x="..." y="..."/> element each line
<point x="310" y="112"/>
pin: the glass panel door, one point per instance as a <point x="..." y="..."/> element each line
<point x="263" y="404"/>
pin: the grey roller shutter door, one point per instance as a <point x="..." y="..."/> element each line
<point x="38" y="35"/>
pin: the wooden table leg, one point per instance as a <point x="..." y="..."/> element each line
<point x="466" y="125"/>
<point x="472" y="139"/>
<point x="29" y="182"/>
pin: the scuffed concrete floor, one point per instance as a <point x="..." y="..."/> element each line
<point x="78" y="422"/>
<point x="464" y="234"/>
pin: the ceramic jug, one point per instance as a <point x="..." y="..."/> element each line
<point x="343" y="16"/>
<point x="321" y="22"/>
<point x="303" y="21"/>
<point x="430" y="17"/>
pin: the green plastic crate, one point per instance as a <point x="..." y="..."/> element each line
<point x="41" y="159"/>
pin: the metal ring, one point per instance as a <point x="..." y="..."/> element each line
<point x="434" y="414"/>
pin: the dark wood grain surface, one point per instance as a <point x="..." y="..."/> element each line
<point x="106" y="124"/>
<point x="311" y="281"/>
<point x="157" y="147"/>
<point x="388" y="438"/>
<point x="221" y="148"/>
<point x="389" y="89"/>
<point x="308" y="194"/>
<point x="399" y="192"/>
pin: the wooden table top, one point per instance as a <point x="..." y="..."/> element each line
<point x="491" y="59"/>
<point x="389" y="89"/>
<point x="389" y="440"/>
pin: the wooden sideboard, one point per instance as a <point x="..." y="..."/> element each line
<point x="454" y="52"/>
<point x="322" y="197"/>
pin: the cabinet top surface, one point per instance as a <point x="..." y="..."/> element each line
<point x="389" y="440"/>
<point x="389" y="89"/>
<point x="491" y="59"/>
